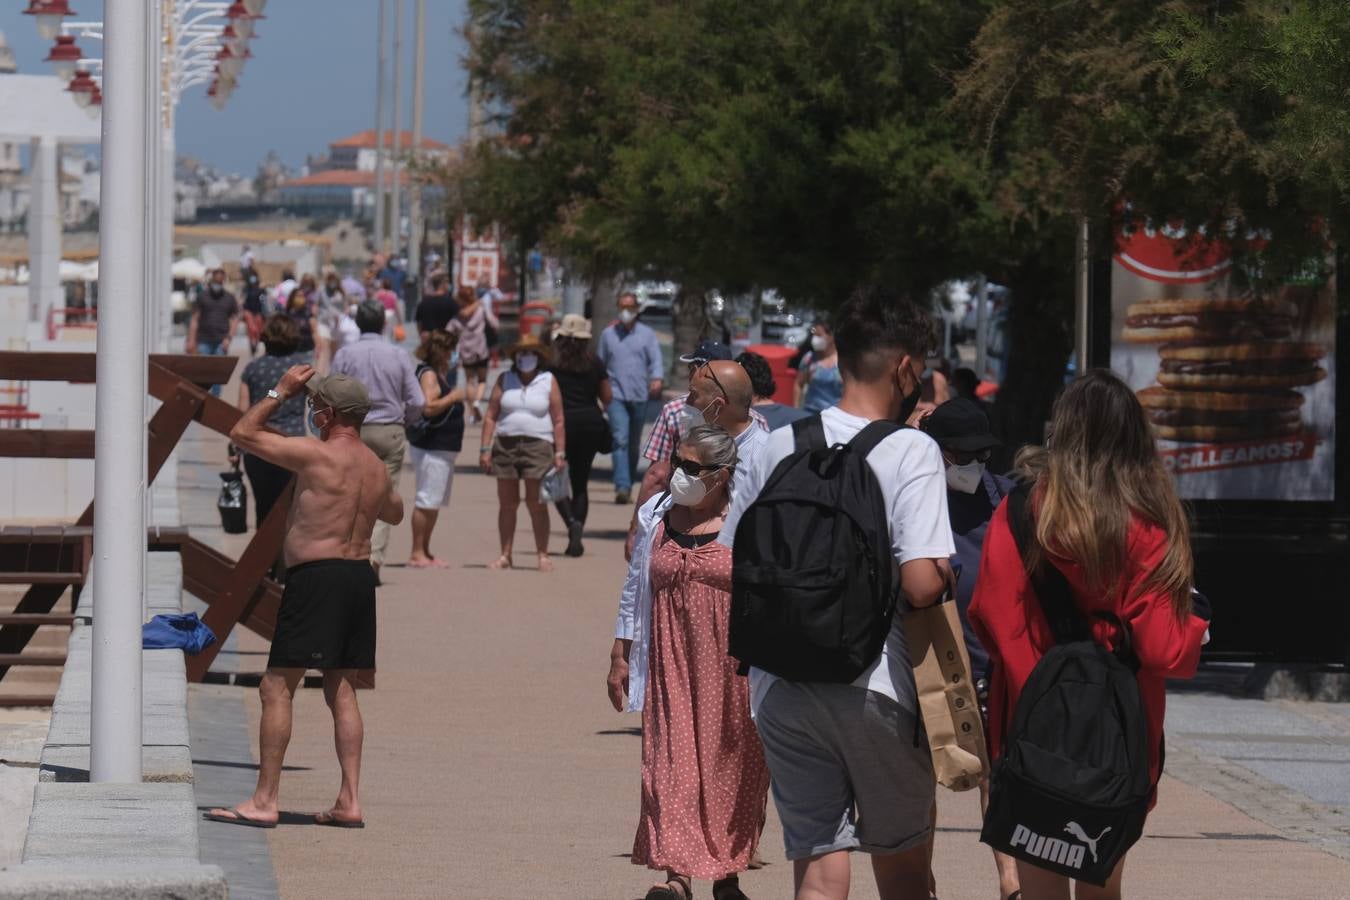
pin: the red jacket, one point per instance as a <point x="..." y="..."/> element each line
<point x="1009" y="622"/>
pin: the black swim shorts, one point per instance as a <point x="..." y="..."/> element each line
<point x="327" y="617"/>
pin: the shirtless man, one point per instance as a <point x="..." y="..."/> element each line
<point x="327" y="615"/>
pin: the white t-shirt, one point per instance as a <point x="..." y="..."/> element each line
<point x="908" y="466"/>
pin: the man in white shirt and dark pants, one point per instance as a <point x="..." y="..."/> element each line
<point x="849" y="767"/>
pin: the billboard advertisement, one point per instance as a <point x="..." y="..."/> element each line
<point x="1240" y="388"/>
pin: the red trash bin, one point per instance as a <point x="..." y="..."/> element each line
<point x="534" y="318"/>
<point x="784" y="378"/>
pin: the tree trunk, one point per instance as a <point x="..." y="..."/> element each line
<point x="690" y="326"/>
<point x="603" y="305"/>
<point x="1040" y="340"/>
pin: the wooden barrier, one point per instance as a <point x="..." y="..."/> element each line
<point x="235" y="591"/>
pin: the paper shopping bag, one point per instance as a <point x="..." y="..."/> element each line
<point x="947" y="701"/>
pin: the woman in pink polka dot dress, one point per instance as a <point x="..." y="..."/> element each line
<point x="704" y="781"/>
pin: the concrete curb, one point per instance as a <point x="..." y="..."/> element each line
<point x="118" y="840"/>
<point x="166" y="747"/>
<point x="47" y="881"/>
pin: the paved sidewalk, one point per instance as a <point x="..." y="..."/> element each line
<point x="495" y="768"/>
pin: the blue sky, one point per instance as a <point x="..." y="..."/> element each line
<point x="312" y="78"/>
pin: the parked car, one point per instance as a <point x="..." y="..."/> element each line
<point x="656" y="296"/>
<point x="780" y="324"/>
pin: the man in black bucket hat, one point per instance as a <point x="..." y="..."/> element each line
<point x="961" y="429"/>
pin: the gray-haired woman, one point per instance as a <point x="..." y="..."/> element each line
<point x="704" y="782"/>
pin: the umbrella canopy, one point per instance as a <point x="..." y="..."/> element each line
<point x="189" y="268"/>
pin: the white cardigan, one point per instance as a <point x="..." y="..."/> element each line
<point x="634" y="622"/>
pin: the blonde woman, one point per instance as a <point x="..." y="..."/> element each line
<point x="1106" y="515"/>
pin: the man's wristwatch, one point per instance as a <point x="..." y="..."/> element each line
<point x="273" y="394"/>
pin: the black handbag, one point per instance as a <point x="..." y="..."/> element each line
<point x="232" y="502"/>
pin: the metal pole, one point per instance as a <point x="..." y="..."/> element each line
<point x="394" y="234"/>
<point x="1082" y="290"/>
<point x="379" y="131"/>
<point x="44" y="230"/>
<point x="981" y="327"/>
<point x="119" y="438"/>
<point x="168" y="164"/>
<point x="414" y="284"/>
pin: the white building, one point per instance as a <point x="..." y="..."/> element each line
<point x="343" y="184"/>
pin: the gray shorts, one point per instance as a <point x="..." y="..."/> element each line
<point x="846" y="774"/>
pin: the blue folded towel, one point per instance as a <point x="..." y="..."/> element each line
<point x="183" y="632"/>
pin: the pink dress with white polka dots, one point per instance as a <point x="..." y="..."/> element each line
<point x="704" y="782"/>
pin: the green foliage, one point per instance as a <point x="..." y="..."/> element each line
<point x="783" y="143"/>
<point x="1229" y="117"/>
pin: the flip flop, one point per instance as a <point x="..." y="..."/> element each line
<point x="332" y="821"/>
<point x="235" y="817"/>
<point x="420" y="565"/>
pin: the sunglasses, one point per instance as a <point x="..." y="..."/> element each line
<point x="700" y="364"/>
<point x="691" y="468"/>
<point x="966" y="457"/>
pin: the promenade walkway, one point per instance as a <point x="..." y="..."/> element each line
<point x="495" y="768"/>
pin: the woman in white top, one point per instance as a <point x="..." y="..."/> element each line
<point x="523" y="441"/>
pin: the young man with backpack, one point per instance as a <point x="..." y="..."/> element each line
<point x="833" y="541"/>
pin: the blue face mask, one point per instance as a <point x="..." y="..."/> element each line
<point x="314" y="422"/>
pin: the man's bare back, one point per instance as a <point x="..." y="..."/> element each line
<point x="341" y="489"/>
<point x="339" y="493"/>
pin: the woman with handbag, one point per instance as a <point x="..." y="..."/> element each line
<point x="584" y="383"/>
<point x="704" y="780"/>
<point x="434" y="441"/>
<point x="1105" y="516"/>
<point x="523" y="440"/>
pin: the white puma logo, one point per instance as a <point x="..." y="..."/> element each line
<point x="1077" y="831"/>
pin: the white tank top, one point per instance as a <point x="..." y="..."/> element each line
<point x="525" y="407"/>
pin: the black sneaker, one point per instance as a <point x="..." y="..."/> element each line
<point x="574" y="547"/>
<point x="622" y="498"/>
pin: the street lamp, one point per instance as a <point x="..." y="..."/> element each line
<point x="94" y="108"/>
<point x="65" y="56"/>
<point x="255" y="7"/>
<point x="232" y="64"/>
<point x="231" y="39"/>
<point x="242" y="19"/>
<point x="49" y="14"/>
<point x="82" y="88"/>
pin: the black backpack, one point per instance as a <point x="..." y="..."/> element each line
<point x="1072" y="789"/>
<point x="813" y="586"/>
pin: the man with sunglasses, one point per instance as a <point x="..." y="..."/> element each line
<point x="962" y="432"/>
<point x="720" y="394"/>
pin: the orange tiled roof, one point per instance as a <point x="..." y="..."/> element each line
<point x="366" y="140"/>
<point x="339" y="178"/>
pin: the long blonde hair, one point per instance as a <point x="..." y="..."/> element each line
<point x="1100" y="468"/>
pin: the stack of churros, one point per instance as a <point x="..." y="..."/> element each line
<point x="1229" y="368"/>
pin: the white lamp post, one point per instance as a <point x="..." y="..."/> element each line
<point x="143" y="87"/>
<point x="119" y="411"/>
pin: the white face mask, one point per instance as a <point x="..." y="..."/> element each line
<point x="687" y="490"/>
<point x="819" y="342"/>
<point x="690" y="418"/>
<point x="527" y="362"/>
<point x="628" y="316"/>
<point x="965" y="478"/>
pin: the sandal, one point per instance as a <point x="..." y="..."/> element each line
<point x="667" y="892"/>
<point x="728" y="888"/>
